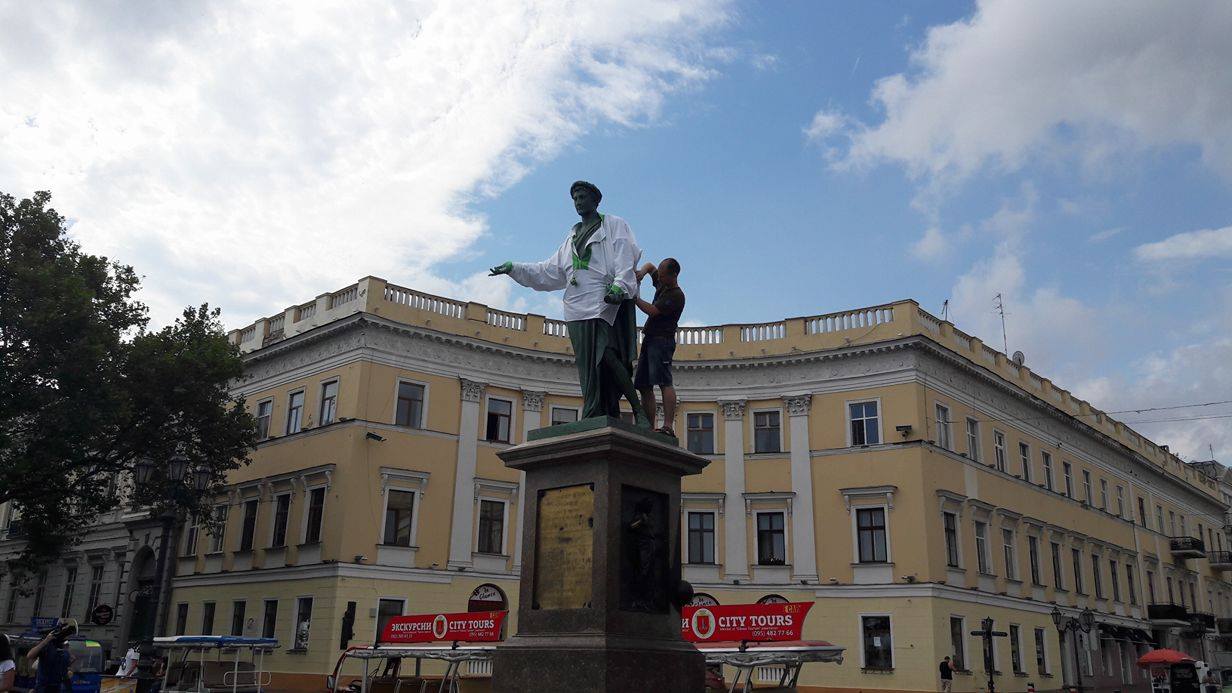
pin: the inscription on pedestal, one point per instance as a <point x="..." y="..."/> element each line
<point x="564" y="548"/>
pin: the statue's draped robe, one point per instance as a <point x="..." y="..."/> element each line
<point x="592" y="258"/>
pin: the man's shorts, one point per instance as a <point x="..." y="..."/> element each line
<point x="654" y="364"/>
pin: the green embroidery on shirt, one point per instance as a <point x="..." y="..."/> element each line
<point x="581" y="260"/>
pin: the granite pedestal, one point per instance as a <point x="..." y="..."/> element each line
<point x="600" y="563"/>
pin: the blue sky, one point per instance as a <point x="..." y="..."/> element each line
<point x="797" y="157"/>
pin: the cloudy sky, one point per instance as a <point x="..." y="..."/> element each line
<point x="798" y="157"/>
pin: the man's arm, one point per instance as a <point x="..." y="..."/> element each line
<point x="647" y="307"/>
<point x="645" y="270"/>
<point x="33" y="655"/>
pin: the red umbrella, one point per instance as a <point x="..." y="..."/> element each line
<point x="1163" y="656"/>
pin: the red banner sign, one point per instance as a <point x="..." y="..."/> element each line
<point x="753" y="622"/>
<point x="476" y="626"/>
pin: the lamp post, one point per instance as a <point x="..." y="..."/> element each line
<point x="173" y="473"/>
<point x="1084" y="622"/>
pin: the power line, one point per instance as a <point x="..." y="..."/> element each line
<point x="1140" y="410"/>
<point x="1188" y="418"/>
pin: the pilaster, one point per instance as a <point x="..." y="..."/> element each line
<point x="532" y="418"/>
<point x="735" y="530"/>
<point x="804" y="545"/>
<point x="461" y="529"/>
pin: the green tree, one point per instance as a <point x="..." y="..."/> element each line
<point x="87" y="392"/>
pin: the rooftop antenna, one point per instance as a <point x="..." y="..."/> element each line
<point x="1000" y="305"/>
<point x="945" y="309"/>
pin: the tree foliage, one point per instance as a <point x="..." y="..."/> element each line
<point x="87" y="391"/>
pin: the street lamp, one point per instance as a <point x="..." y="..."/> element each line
<point x="175" y="472"/>
<point x="1085" y="622"/>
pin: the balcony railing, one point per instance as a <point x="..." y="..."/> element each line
<point x="1187" y="547"/>
<point x="1220" y="560"/>
<point x="1201" y="621"/>
<point x="1167" y="612"/>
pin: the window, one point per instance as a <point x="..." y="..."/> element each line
<point x="329" y="402"/>
<point x="958" y="643"/>
<point x="1078" y="586"/>
<point x="1129" y="582"/>
<point x="399" y="513"/>
<point x="1116" y="583"/>
<point x="701" y="537"/>
<point x="981" y="547"/>
<point x="1171" y="599"/>
<point x="1056" y="566"/>
<point x="70" y="586"/>
<point x="265" y="412"/>
<point x="1011" y="559"/>
<point x="973" y="439"/>
<point x="878" y="653"/>
<point x="1095" y="575"/>
<point x="269" y="622"/>
<point x="237" y="617"/>
<point x="998" y="449"/>
<point x="409" y="410"/>
<point x="943" y="427"/>
<point x="303" y="622"/>
<point x="282" y="513"/>
<point x="1141" y="511"/>
<point x="207" y="618"/>
<point x="871" y="529"/>
<point x="1016" y="648"/>
<point x="1024" y="458"/>
<point x="950" y="522"/>
<point x="96" y="587"/>
<point x="1041" y="651"/>
<point x="1159" y="519"/>
<point x="219" y="529"/>
<point x="771" y="539"/>
<point x="1047" y="460"/>
<point x="767" y="433"/>
<point x="181" y="618"/>
<point x="1068" y="471"/>
<point x="249" y="528"/>
<point x="865" y="426"/>
<point x="386" y="610"/>
<point x="563" y="415"/>
<point x="700" y="433"/>
<point x="1120" y="501"/>
<point x="1086" y="487"/>
<point x="316" y="511"/>
<point x="491" y="527"/>
<point x="500" y="416"/>
<point x="1033" y="556"/>
<point x="295" y="412"/>
<point x="190" y="537"/>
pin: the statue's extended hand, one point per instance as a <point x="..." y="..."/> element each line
<point x="614" y="294"/>
<point x="503" y="268"/>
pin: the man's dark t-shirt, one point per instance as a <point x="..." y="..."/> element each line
<point x="947" y="672"/>
<point x="670" y="302"/>
<point x="53" y="669"/>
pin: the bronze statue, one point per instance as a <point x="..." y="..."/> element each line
<point x="595" y="265"/>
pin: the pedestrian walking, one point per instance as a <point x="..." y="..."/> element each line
<point x="947" y="675"/>
<point x="8" y="668"/>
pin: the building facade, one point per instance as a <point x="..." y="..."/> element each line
<point x="879" y="462"/>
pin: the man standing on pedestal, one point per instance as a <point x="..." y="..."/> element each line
<point x="596" y="267"/>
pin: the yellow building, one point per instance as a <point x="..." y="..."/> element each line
<point x="880" y="462"/>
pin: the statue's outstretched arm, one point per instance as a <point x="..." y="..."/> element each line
<point x="549" y="275"/>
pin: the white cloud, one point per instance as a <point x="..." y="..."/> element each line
<point x="932" y="246"/>
<point x="1021" y="80"/>
<point x="825" y="123"/>
<point x="1101" y="236"/>
<point x="254" y="155"/>
<point x="1191" y="245"/>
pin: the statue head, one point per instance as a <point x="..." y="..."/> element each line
<point x="586" y="197"/>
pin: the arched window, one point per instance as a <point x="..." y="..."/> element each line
<point x="487" y="597"/>
<point x="703" y="599"/>
<point x="772" y="599"/>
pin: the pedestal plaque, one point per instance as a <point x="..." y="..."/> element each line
<point x="600" y="563"/>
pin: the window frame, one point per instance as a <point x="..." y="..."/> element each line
<point x="1042" y="665"/>
<point x="299" y="421"/>
<point x="884" y="530"/>
<point x="239" y="610"/>
<point x="780" y="447"/>
<point x="98" y="572"/>
<point x="973" y="439"/>
<point x="299" y="603"/>
<point x="577" y="415"/>
<point x="307" y="518"/>
<point x="1058" y="569"/>
<point x="1067" y="470"/>
<point x="1009" y="552"/>
<point x="1024" y="460"/>
<point x="1015" y="637"/>
<point x="847" y="415"/>
<point x="209" y="609"/>
<point x="218" y="542"/>
<point x="860" y="636"/>
<point x="423" y="403"/>
<point x="959" y="645"/>
<point x="248" y="524"/>
<point x="957" y="537"/>
<point x="757" y="532"/>
<point x="1033" y="559"/>
<point x="487" y="422"/>
<point x="265" y="618"/>
<point x="1097" y="579"/>
<point x="269" y="418"/>
<point x="401" y="612"/>
<point x="944" y="438"/>
<point x="1079" y="584"/>
<point x="181" y="618"/>
<point x="336" y="382"/>
<point x="1113" y="567"/>
<point x="412" y="537"/>
<point x="504" y="527"/>
<point x="286" y="521"/>
<point x="983" y="561"/>
<point x="702" y="533"/>
<point x="69" y="592"/>
<point x="713" y="435"/>
<point x="999" y="452"/>
<point x="1046" y="461"/>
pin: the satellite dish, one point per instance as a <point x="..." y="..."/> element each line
<point x="1019" y="358"/>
